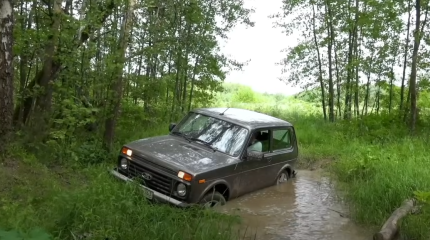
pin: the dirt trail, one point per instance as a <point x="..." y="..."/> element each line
<point x="305" y="208"/>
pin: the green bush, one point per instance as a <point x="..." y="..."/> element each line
<point x="245" y="95"/>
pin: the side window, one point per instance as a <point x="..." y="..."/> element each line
<point x="281" y="139"/>
<point x="260" y="141"/>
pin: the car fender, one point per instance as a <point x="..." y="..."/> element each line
<point x="287" y="165"/>
<point x="213" y="184"/>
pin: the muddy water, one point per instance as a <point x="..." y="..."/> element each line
<point x="306" y="208"/>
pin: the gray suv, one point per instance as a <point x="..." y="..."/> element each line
<point x="213" y="155"/>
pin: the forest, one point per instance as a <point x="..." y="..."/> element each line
<point x="79" y="78"/>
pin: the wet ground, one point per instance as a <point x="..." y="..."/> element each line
<point x="306" y="208"/>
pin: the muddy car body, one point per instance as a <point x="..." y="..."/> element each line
<point x="205" y="158"/>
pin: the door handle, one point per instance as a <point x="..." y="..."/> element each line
<point x="269" y="159"/>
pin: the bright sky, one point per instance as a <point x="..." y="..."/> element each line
<point x="262" y="45"/>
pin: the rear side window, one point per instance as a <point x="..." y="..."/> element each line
<point x="260" y="141"/>
<point x="281" y="139"/>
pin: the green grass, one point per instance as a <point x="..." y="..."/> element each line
<point x="99" y="206"/>
<point x="73" y="201"/>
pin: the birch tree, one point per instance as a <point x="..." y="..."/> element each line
<point x="6" y="70"/>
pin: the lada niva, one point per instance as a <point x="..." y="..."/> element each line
<point x="213" y="155"/>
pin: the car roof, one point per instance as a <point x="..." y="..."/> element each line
<point x="244" y="117"/>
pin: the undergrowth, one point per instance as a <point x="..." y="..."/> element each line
<point x="64" y="192"/>
<point x="93" y="205"/>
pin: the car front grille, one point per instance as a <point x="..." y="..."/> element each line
<point x="153" y="165"/>
<point x="159" y="182"/>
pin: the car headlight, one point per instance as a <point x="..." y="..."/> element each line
<point x="123" y="164"/>
<point x="181" y="189"/>
<point x="185" y="176"/>
<point x="126" y="151"/>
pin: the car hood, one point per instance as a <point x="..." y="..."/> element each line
<point x="178" y="154"/>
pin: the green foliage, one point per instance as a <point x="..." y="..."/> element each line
<point x="375" y="162"/>
<point x="157" y="59"/>
<point x="245" y="95"/>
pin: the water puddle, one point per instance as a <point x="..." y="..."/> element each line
<point x="306" y="208"/>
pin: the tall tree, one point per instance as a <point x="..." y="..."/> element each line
<point x="405" y="57"/>
<point x="419" y="27"/>
<point x="330" y="36"/>
<point x="6" y="70"/>
<point x="320" y="71"/>
<point x="115" y="93"/>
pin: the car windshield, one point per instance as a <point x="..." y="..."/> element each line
<point x="218" y="134"/>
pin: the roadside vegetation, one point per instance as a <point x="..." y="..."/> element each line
<point x="376" y="169"/>
<point x="86" y="77"/>
<point x="376" y="161"/>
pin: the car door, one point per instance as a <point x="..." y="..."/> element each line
<point x="252" y="172"/>
<point x="281" y="152"/>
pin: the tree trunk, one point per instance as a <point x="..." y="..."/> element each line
<point x="320" y="78"/>
<point x="351" y="41"/>
<point x="193" y="78"/>
<point x="378" y="84"/>
<point x="330" y="35"/>
<point x="6" y="71"/>
<point x="350" y="68"/>
<point x="402" y="89"/>
<point x="413" y="80"/>
<point x="357" y="51"/>
<point x="339" y="108"/>
<point x="49" y="70"/>
<point x="116" y="87"/>
<point x="391" y="227"/>
<point x="368" y="65"/>
<point x="392" y="78"/>
<point x="24" y="71"/>
<point x="366" y="97"/>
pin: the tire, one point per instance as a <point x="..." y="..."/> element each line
<point x="213" y="199"/>
<point x="282" y="177"/>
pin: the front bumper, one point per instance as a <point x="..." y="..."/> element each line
<point x="156" y="195"/>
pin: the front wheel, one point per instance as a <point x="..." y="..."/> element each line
<point x="282" y="177"/>
<point x="213" y="199"/>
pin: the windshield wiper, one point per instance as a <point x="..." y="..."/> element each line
<point x="182" y="135"/>
<point x="195" y="139"/>
<point x="204" y="143"/>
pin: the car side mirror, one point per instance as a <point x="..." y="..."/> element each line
<point x="254" y="155"/>
<point x="172" y="126"/>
